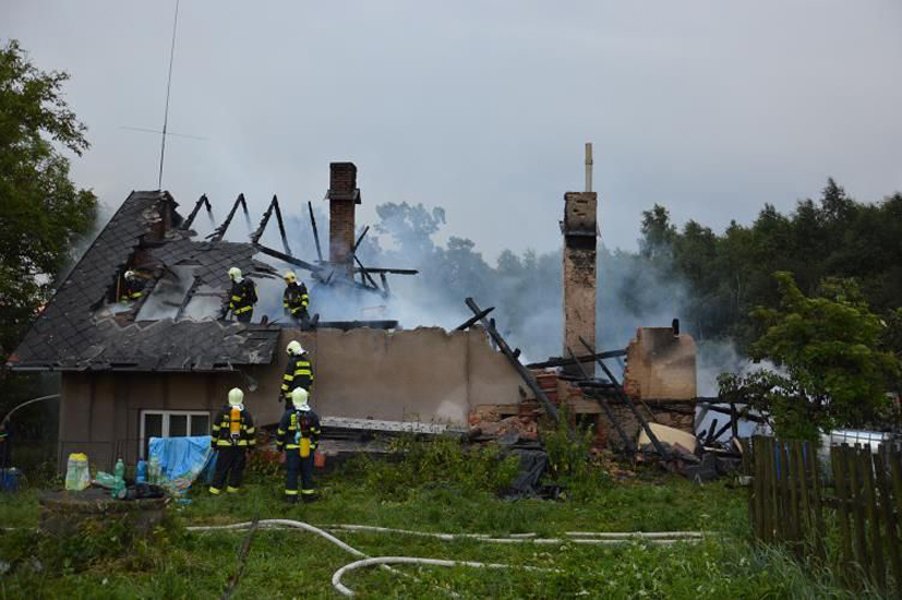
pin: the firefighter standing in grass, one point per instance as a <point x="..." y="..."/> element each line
<point x="296" y="299"/>
<point x="242" y="296"/>
<point x="298" y="371"/>
<point x="298" y="435"/>
<point x="233" y="435"/>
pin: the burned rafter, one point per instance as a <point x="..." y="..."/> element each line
<point x="272" y="208"/>
<point x="563" y="361"/>
<point x="220" y="231"/>
<point x="320" y="272"/>
<point x="524" y="373"/>
<point x="602" y="401"/>
<point x="475" y="319"/>
<point x="202" y="201"/>
<point x="319" y="250"/>
<point x="659" y="448"/>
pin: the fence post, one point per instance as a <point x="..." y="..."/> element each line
<point x="882" y="464"/>
<point x="878" y="568"/>
<point x="840" y="482"/>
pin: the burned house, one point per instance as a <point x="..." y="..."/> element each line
<point x="162" y="365"/>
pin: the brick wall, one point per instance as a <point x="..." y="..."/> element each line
<point x="342" y="187"/>
<point x="579" y="272"/>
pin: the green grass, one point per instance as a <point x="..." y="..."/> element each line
<point x="176" y="563"/>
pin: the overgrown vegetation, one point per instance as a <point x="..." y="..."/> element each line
<point x="832" y="370"/>
<point x="175" y="563"/>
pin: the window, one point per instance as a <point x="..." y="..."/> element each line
<point x="171" y="423"/>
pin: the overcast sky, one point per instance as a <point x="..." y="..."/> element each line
<point x="710" y="107"/>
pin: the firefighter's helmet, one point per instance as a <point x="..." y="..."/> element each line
<point x="236" y="397"/>
<point x="290" y="277"/>
<point x="299" y="398"/>
<point x="130" y="275"/>
<point x="294" y="348"/>
<point x="235" y="274"/>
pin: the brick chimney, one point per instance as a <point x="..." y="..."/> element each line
<point x="343" y="197"/>
<point x="580" y="287"/>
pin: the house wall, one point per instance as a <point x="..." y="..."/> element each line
<point x="426" y="374"/>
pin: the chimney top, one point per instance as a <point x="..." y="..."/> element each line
<point x="343" y="182"/>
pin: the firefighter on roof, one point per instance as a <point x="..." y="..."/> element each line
<point x="298" y="435"/>
<point x="232" y="436"/>
<point x="132" y="287"/>
<point x="242" y="297"/>
<point x="295" y="299"/>
<point x="298" y="371"/>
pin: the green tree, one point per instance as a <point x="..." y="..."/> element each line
<point x="828" y="348"/>
<point x="43" y="212"/>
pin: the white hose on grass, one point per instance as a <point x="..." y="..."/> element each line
<point x="576" y="537"/>
<point x="411" y="560"/>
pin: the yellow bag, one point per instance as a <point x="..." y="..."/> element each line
<point x="305" y="447"/>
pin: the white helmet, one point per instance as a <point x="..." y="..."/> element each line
<point x="299" y="398"/>
<point x="294" y="348"/>
<point x="235" y="274"/>
<point x="130" y="274"/>
<point x="289" y="276"/>
<point x="236" y="397"/>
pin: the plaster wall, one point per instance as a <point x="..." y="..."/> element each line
<point x="426" y="374"/>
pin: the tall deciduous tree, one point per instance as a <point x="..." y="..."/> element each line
<point x="43" y="212"/>
<point x="828" y="347"/>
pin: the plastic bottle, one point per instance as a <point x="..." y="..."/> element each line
<point x="154" y="472"/>
<point x="119" y="470"/>
<point x="141" y="471"/>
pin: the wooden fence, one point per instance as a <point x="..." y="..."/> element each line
<point x="846" y="516"/>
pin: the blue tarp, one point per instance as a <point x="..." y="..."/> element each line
<point x="182" y="458"/>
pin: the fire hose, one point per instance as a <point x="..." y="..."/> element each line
<point x="578" y="537"/>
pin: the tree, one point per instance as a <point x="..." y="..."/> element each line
<point x="832" y="370"/>
<point x="44" y="213"/>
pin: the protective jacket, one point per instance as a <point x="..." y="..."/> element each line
<point x="298" y="373"/>
<point x="131" y="289"/>
<point x="233" y="426"/>
<point x="295" y="299"/>
<point x="295" y="427"/>
<point x="242" y="297"/>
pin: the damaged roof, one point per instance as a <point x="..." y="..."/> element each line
<point x="80" y="329"/>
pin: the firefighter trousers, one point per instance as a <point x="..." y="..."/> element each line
<point x="229" y="464"/>
<point x="295" y="465"/>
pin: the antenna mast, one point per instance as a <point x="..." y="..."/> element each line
<point x="168" y="87"/>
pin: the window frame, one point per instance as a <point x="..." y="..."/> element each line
<point x="165" y="414"/>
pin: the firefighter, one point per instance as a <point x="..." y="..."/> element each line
<point x="298" y="435"/>
<point x="233" y="435"/>
<point x="295" y="299"/>
<point x="132" y="287"/>
<point x="298" y="371"/>
<point x="242" y="297"/>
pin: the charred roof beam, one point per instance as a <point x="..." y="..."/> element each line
<point x="220" y="231"/>
<point x="273" y="207"/>
<point x="202" y="201"/>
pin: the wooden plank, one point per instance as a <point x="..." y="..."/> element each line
<point x="883" y="475"/>
<point x="759" y="483"/>
<point x="856" y="498"/>
<point x="792" y="512"/>
<point x="319" y="250"/>
<point x="806" y="531"/>
<point x="771" y="491"/>
<point x="475" y="319"/>
<point x="840" y="482"/>
<point x="809" y="452"/>
<point x="627" y="442"/>
<point x="878" y="567"/>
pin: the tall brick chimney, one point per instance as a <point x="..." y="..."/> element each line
<point x="580" y="288"/>
<point x="343" y="197"/>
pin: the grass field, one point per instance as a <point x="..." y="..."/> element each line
<point x="437" y="489"/>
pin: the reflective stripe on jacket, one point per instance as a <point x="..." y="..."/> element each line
<point x="294" y="422"/>
<point x="221" y="434"/>
<point x="298" y="373"/>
